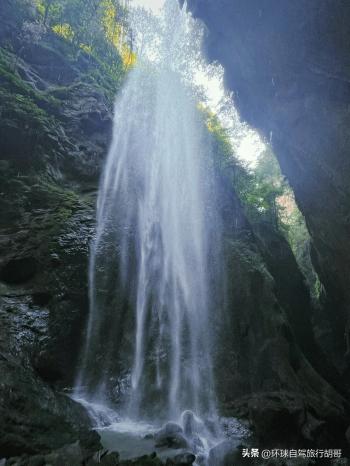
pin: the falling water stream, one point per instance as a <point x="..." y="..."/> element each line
<point x="154" y="260"/>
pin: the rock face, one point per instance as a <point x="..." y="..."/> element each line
<point x="76" y="454"/>
<point x="225" y="454"/>
<point x="34" y="417"/>
<point x="287" y="63"/>
<point x="268" y="363"/>
<point x="54" y="131"/>
<point x="48" y="177"/>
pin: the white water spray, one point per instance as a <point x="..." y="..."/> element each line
<point x="153" y="261"/>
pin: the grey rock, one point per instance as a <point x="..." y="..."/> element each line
<point x="170" y="428"/>
<point x="347" y="435"/>
<point x="189" y="423"/>
<point x="175" y="441"/>
<point x="225" y="454"/>
<point x="72" y="455"/>
<point x="37" y="461"/>
<point x="46" y="223"/>
<point x="306" y="114"/>
<point x="170" y="436"/>
<point x="99" y="455"/>
<point x="184" y="459"/>
<point x="111" y="459"/>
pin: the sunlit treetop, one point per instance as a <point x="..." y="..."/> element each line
<point x="98" y="27"/>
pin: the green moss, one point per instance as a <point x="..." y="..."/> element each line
<point x="51" y="206"/>
<point x="63" y="92"/>
<point x="106" y="81"/>
<point x="242" y="254"/>
<point x="25" y="106"/>
<point x="19" y="101"/>
<point x="47" y="194"/>
<point x="12" y="83"/>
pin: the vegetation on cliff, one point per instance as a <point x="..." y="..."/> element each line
<point x="61" y="64"/>
<point x="266" y="196"/>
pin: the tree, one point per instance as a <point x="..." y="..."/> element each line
<point x="97" y="27"/>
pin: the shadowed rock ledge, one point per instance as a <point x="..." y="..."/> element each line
<point x="288" y="66"/>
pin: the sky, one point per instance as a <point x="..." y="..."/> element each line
<point x="250" y="146"/>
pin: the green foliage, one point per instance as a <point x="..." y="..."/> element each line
<point x="97" y="27"/>
<point x="265" y="196"/>
<point x="296" y="231"/>
<point x="258" y="189"/>
<point x="94" y="29"/>
<point x="266" y="187"/>
<point x="221" y="141"/>
<point x="297" y="235"/>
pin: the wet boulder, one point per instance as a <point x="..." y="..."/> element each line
<point x="146" y="460"/>
<point x="110" y="459"/>
<point x="190" y="423"/>
<point x="170" y="428"/>
<point x="174" y="441"/>
<point x="170" y="436"/>
<point x="70" y="454"/>
<point x="183" y="459"/>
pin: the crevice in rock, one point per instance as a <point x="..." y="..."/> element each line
<point x="18" y="271"/>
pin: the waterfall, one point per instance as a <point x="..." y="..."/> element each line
<point x="153" y="264"/>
